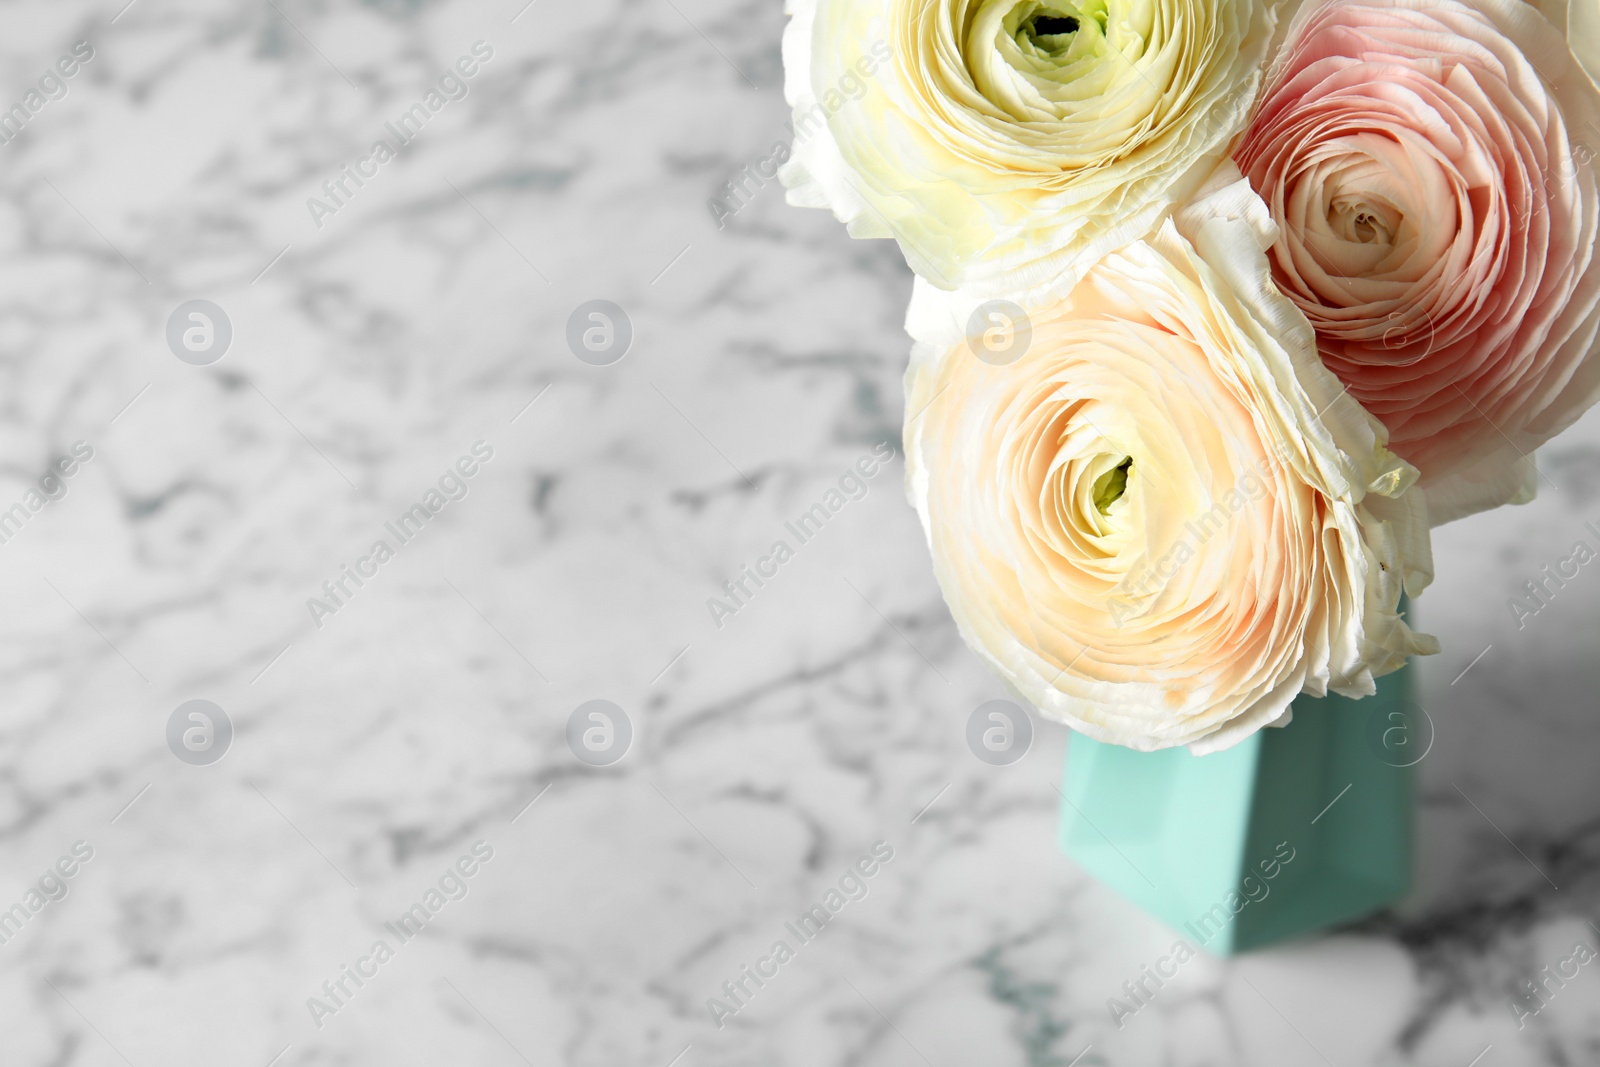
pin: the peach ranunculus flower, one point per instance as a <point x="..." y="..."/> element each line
<point x="1428" y="163"/>
<point x="1150" y="508"/>
<point x="1005" y="143"/>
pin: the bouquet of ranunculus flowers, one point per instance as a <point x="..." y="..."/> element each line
<point x="1220" y="305"/>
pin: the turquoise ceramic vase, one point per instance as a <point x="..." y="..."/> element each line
<point x="1292" y="831"/>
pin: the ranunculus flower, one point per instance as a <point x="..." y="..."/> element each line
<point x="1428" y="163"/>
<point x="1006" y="142"/>
<point x="1163" y="518"/>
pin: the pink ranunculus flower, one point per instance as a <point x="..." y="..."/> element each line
<point x="1430" y="165"/>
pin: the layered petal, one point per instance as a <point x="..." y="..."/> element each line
<point x="1009" y="143"/>
<point x="1429" y="164"/>
<point x="1150" y="508"/>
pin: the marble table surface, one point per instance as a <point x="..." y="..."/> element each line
<point x="415" y="728"/>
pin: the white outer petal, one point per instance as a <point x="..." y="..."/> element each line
<point x="816" y="174"/>
<point x="1506" y="477"/>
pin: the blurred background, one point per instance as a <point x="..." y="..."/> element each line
<point x="186" y="490"/>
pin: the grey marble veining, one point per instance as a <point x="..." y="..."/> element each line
<point x="428" y="713"/>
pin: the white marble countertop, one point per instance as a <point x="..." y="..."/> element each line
<point x="373" y="752"/>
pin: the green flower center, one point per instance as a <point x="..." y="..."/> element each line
<point x="1045" y="61"/>
<point x="1050" y="26"/>
<point x="1050" y="29"/>
<point x="1110" y="486"/>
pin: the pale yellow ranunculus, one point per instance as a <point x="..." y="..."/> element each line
<point x="1158" y="517"/>
<point x="1006" y="143"/>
